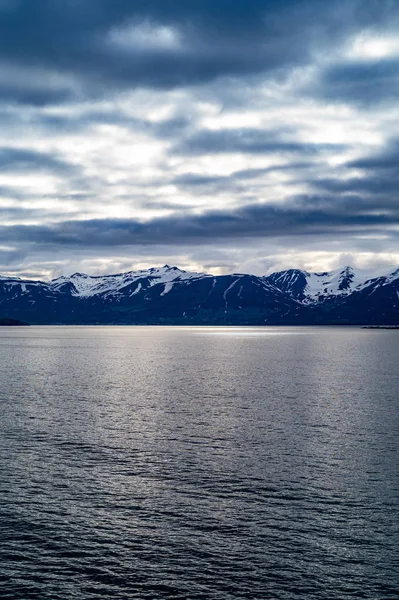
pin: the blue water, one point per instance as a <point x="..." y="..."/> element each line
<point x="199" y="463"/>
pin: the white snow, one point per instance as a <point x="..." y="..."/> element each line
<point x="229" y="288"/>
<point x="137" y="290"/>
<point x="108" y="285"/>
<point x="167" y="288"/>
<point x="339" y="282"/>
<point x="329" y="284"/>
<point x="391" y="275"/>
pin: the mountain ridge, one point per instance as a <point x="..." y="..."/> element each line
<point x="169" y="295"/>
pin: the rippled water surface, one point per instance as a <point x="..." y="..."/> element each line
<point x="199" y="463"/>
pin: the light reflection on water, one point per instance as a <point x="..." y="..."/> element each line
<point x="247" y="332"/>
<point x="198" y="463"/>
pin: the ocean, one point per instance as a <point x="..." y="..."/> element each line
<point x="208" y="463"/>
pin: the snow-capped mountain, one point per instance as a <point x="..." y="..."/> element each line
<point x="157" y="295"/>
<point x="86" y="286"/>
<point x="344" y="295"/>
<point x="168" y="295"/>
<point x="309" y="288"/>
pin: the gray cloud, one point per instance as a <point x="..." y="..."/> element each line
<point x="305" y="216"/>
<point x="387" y="158"/>
<point x="248" y="140"/>
<point x="365" y="83"/>
<point x="370" y="186"/>
<point x="237" y="182"/>
<point x="379" y="178"/>
<point x="26" y="160"/>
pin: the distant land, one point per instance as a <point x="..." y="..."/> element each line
<point x="11" y="323"/>
<point x="171" y="296"/>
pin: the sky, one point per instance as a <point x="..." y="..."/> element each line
<point x="214" y="135"/>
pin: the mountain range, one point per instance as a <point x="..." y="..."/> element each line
<point x="169" y="295"/>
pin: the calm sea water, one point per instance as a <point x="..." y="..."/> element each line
<point x="199" y="463"/>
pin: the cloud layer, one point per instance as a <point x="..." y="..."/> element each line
<point x="217" y="135"/>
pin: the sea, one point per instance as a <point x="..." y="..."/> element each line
<point x="199" y="463"/>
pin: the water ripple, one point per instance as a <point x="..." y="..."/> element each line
<point x="158" y="463"/>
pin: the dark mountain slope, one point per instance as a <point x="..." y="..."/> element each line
<point x="169" y="295"/>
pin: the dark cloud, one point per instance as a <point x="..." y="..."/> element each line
<point x="370" y="185"/>
<point x="218" y="38"/>
<point x="23" y="93"/>
<point x="238" y="180"/>
<point x="196" y="180"/>
<point x="381" y="160"/>
<point x="249" y="141"/>
<point x="364" y="83"/>
<point x="379" y="178"/>
<point x="303" y="216"/>
<point x="26" y="160"/>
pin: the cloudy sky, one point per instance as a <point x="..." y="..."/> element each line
<point x="216" y="135"/>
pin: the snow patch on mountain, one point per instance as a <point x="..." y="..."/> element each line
<point x="229" y="288"/>
<point x="391" y="275"/>
<point x="167" y="288"/>
<point x="137" y="290"/>
<point x="335" y="283"/>
<point x="107" y="285"/>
